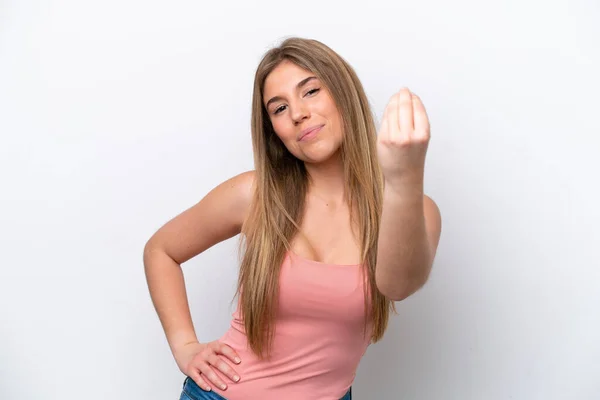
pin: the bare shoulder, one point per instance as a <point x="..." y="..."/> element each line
<point x="433" y="222"/>
<point x="238" y="189"/>
<point x="218" y="216"/>
<point x="236" y="195"/>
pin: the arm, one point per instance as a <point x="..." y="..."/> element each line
<point x="408" y="239"/>
<point x="217" y="217"/>
<point x="410" y="222"/>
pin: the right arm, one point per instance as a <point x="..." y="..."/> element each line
<point x="215" y="218"/>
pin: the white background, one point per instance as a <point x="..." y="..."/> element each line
<point x="117" y="115"/>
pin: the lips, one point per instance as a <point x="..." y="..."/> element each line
<point x="310" y="130"/>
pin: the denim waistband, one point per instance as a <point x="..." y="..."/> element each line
<point x="191" y="391"/>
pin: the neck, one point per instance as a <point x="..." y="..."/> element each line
<point x="326" y="180"/>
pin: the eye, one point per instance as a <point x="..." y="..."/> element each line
<point x="281" y="108"/>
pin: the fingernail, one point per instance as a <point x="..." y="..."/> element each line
<point x="236" y="378"/>
<point x="237" y="360"/>
<point x="223" y="387"/>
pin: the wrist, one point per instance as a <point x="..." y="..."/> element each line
<point x="406" y="185"/>
<point x="178" y="347"/>
<point x="405" y="192"/>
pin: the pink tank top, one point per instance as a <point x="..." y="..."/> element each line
<point x="319" y="338"/>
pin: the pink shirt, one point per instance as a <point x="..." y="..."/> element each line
<point x="318" y="340"/>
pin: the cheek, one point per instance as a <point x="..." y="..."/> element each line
<point x="337" y="123"/>
<point x="330" y="110"/>
<point x="282" y="130"/>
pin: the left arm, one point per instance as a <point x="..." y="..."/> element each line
<point x="408" y="240"/>
<point x="410" y="221"/>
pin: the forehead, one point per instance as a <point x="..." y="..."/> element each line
<point x="284" y="78"/>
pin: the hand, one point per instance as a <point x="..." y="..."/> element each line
<point x="197" y="361"/>
<point x="402" y="141"/>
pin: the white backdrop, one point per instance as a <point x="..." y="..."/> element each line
<point x="117" y="115"/>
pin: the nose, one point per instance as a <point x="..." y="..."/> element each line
<point x="299" y="113"/>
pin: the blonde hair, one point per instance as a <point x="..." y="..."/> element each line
<point x="281" y="184"/>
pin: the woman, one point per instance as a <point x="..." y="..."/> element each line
<point x="334" y="227"/>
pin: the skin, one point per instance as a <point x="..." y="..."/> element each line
<point x="327" y="234"/>
<point x="409" y="233"/>
<point x="297" y="108"/>
<point x="410" y="223"/>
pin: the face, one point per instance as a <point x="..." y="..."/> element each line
<point x="297" y="102"/>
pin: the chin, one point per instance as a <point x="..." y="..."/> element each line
<point x="318" y="157"/>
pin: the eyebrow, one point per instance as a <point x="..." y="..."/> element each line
<point x="298" y="86"/>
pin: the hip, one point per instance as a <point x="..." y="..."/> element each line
<point x="191" y="391"/>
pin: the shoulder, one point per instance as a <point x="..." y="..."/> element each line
<point x="431" y="208"/>
<point x="239" y="190"/>
<point x="242" y="184"/>
<point x="433" y="222"/>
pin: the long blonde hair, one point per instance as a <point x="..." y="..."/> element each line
<point x="281" y="184"/>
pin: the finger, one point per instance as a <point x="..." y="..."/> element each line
<point x="421" y="120"/>
<point x="229" y="353"/>
<point x="392" y="120"/>
<point x="211" y="376"/>
<point x="384" y="128"/>
<point x="224" y="367"/>
<point x="405" y="112"/>
<point x="197" y="378"/>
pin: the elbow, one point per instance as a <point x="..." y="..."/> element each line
<point x="156" y="255"/>
<point x="151" y="248"/>
<point x="147" y="254"/>
<point x="396" y="294"/>
<point x="402" y="288"/>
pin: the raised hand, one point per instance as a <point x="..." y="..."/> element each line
<point x="402" y="141"/>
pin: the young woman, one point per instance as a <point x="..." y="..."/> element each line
<point x="334" y="227"/>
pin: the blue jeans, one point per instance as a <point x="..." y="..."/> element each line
<point x="191" y="391"/>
